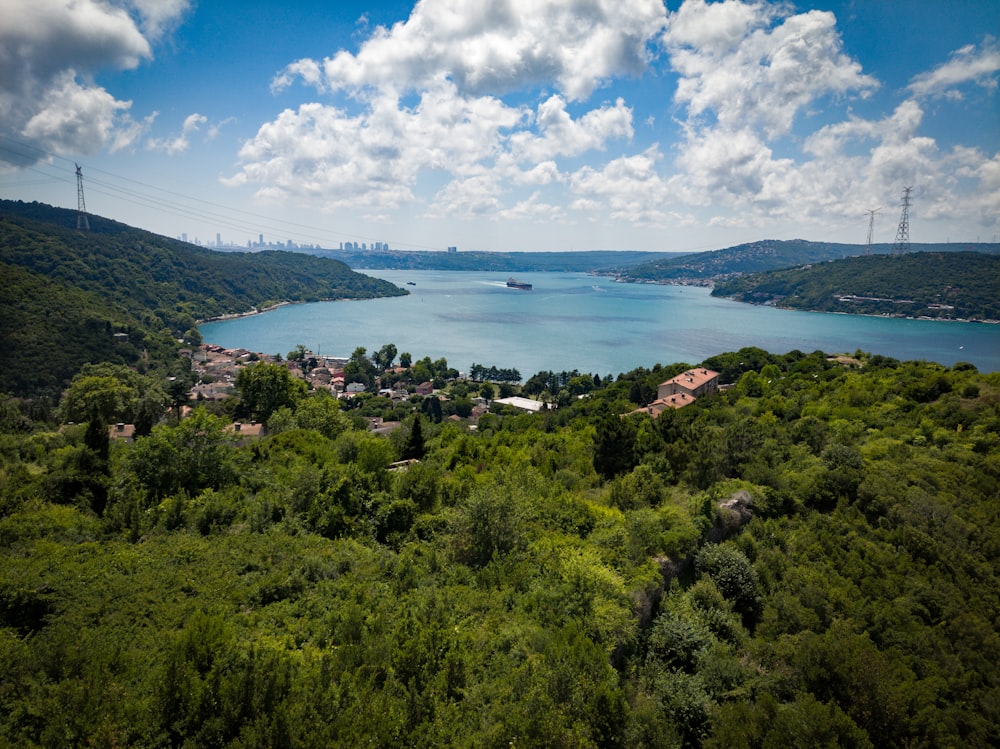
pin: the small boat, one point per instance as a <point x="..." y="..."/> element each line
<point x="512" y="284"/>
<point x="411" y="283"/>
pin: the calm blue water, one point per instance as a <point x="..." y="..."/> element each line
<point x="575" y="321"/>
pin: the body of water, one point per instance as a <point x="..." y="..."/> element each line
<point x="576" y="321"/>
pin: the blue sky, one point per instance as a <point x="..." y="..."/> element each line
<point x="505" y="126"/>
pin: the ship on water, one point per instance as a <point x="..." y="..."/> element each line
<point x="513" y="284"/>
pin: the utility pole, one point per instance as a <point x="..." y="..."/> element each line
<point x="871" y="228"/>
<point x="82" y="222"/>
<point x="902" y="244"/>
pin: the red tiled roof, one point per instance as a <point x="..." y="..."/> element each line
<point x="693" y="378"/>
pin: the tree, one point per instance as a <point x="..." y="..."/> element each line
<point x="321" y="412"/>
<point x="360" y="368"/>
<point x="101" y="398"/>
<point x="734" y="576"/>
<point x="385" y="356"/>
<point x="414" y="447"/>
<point x="614" y="446"/>
<point x="266" y="387"/>
<point x="431" y="408"/>
<point x="194" y="455"/>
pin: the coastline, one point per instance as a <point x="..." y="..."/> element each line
<point x="255" y="311"/>
<point x="710" y="284"/>
<point x="866" y="314"/>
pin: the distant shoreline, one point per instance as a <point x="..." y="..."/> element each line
<point x="865" y="314"/>
<point x="271" y="308"/>
<point x="237" y="315"/>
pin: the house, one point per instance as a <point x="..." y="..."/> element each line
<point x="682" y="390"/>
<point x="425" y="388"/>
<point x="124" y="432"/>
<point x="525" y="404"/>
<point x="377" y="425"/>
<point x="671" y="401"/>
<point x="693" y="383"/>
<point x="246" y="432"/>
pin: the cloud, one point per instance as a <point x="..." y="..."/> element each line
<point x="158" y="17"/>
<point x="451" y="61"/>
<point x="561" y="135"/>
<point x="495" y="48"/>
<point x="493" y="114"/>
<point x="968" y="64"/>
<point x="376" y="157"/>
<point x="49" y="52"/>
<point x="179" y="143"/>
<point x="631" y="187"/>
<point x="71" y="113"/>
<point x="744" y="65"/>
<point x="534" y="209"/>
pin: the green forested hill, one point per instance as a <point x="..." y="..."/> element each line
<point x="964" y="285"/>
<point x="50" y="329"/>
<point x="66" y="292"/>
<point x="769" y="254"/>
<point x="565" y="579"/>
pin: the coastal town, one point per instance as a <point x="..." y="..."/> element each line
<point x="398" y="389"/>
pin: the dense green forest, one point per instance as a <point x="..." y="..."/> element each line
<point x="948" y="286"/>
<point x="808" y="558"/>
<point x="770" y="254"/>
<point x="65" y="293"/>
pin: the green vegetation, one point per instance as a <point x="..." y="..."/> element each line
<point x="574" y="578"/>
<point x="64" y="294"/>
<point x="769" y="254"/>
<point x="948" y="286"/>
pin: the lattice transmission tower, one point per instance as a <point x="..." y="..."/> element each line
<point x="82" y="222"/>
<point x="902" y="244"/>
<point x="872" y="212"/>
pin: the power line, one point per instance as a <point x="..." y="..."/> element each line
<point x="154" y="200"/>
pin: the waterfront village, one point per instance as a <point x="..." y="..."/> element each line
<point x="217" y="368"/>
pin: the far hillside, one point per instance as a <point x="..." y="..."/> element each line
<point x="706" y="268"/>
<point x="951" y="286"/>
<point x="66" y="293"/>
<point x="495" y="262"/>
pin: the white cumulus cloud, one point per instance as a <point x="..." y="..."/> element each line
<point x="426" y="99"/>
<point x="49" y="53"/>
<point x="979" y="65"/>
<point x="180" y="142"/>
<point x="492" y="111"/>
<point x="744" y="66"/>
<point x="495" y="47"/>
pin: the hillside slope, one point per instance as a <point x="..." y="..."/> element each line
<point x="810" y="558"/>
<point x="951" y="286"/>
<point x="768" y="254"/>
<point x="67" y="292"/>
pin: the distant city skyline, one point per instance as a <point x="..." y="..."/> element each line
<point x="526" y="125"/>
<point x="288" y="244"/>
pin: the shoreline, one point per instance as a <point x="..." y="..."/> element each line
<point x="255" y="311"/>
<point x="237" y="315"/>
<point x="867" y="314"/>
<point x="709" y="284"/>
